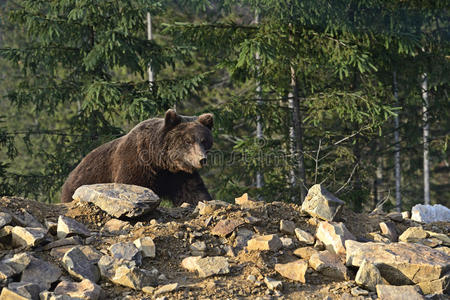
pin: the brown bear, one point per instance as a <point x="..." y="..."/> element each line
<point x="160" y="154"/>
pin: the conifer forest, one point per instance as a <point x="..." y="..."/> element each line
<point x="350" y="94"/>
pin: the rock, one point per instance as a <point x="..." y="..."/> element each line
<point x="265" y="242"/>
<point x="273" y="284"/>
<point x="207" y="266"/>
<point x="304" y="237"/>
<point x="438" y="286"/>
<point x="51" y="226"/>
<point x="108" y="265"/>
<point x="68" y="227"/>
<point x="27" y="236"/>
<point x="430" y="213"/>
<point x="399" y="263"/>
<point x="208" y="207"/>
<point x="295" y="270"/>
<point x="41" y="272"/>
<point x="6" y="271"/>
<point x="368" y="276"/>
<point x="321" y="203"/>
<point x="26" y="220"/>
<point x="166" y="288"/>
<point x="127" y="251"/>
<point x="5" y="234"/>
<point x="287" y="227"/>
<point x="392" y="292"/>
<point x="242" y="237"/>
<point x="73" y="240"/>
<point x="5" y="219"/>
<point x="9" y="294"/>
<point x="79" y="266"/>
<point x="85" y="289"/>
<point x="118" y="199"/>
<point x="19" y="262"/>
<point x="406" y="215"/>
<point x="198" y="248"/>
<point x="395" y="216"/>
<point x="389" y="230"/>
<point x="245" y="202"/>
<point x="413" y="235"/>
<point x="445" y="250"/>
<point x="251" y="278"/>
<point x="24" y="289"/>
<point x="329" y="265"/>
<point x="440" y="236"/>
<point x="146" y="246"/>
<point x="379" y="238"/>
<point x="133" y="277"/>
<point x="305" y="252"/>
<point x="334" y="235"/>
<point x="225" y="227"/>
<point x="288" y="243"/>
<point x="116" y="226"/>
<point x="356" y="291"/>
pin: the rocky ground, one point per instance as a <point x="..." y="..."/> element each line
<point x="217" y="250"/>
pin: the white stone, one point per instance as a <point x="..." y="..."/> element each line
<point x="430" y="213"/>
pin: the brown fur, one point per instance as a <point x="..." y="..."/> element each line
<point x="160" y="154"/>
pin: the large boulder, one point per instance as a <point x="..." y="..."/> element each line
<point x="321" y="203"/>
<point x="333" y="236"/>
<point x="430" y="213"/>
<point x="119" y="199"/>
<point x="400" y="263"/>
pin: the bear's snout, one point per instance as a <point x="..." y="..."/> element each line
<point x="203" y="162"/>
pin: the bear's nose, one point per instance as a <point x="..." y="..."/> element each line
<point x="203" y="162"/>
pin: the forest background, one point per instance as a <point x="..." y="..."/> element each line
<point x="351" y="94"/>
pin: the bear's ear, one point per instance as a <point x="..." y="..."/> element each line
<point x="207" y="120"/>
<point x="171" y="119"/>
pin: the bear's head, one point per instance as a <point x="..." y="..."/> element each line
<point x="187" y="141"/>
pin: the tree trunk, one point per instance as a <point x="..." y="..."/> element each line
<point x="298" y="134"/>
<point x="259" y="132"/>
<point x="149" y="37"/>
<point x="398" y="194"/>
<point x="426" y="137"/>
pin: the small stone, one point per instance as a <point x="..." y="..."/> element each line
<point x="5" y="235"/>
<point x="116" y="226"/>
<point x="430" y="213"/>
<point x="445" y="250"/>
<point x="379" y="238"/>
<point x="242" y="237"/>
<point x="68" y="227"/>
<point x="245" y="202"/>
<point x="8" y="294"/>
<point x="127" y="251"/>
<point x="148" y="289"/>
<point x="252" y="220"/>
<point x="85" y="289"/>
<point x="334" y="235"/>
<point x="51" y="226"/>
<point x="304" y="237"/>
<point x="27" y="236"/>
<point x="190" y="263"/>
<point x="146" y="246"/>
<point x="108" y="265"/>
<point x="413" y="235"/>
<point x="329" y="265"/>
<point x="273" y="284"/>
<point x="73" y="240"/>
<point x="395" y="216"/>
<point x="288" y="243"/>
<point x="198" y="248"/>
<point x="305" y="252"/>
<point x="356" y="292"/>
<point x="185" y="205"/>
<point x="251" y="278"/>
<point x="79" y="266"/>
<point x="27" y="220"/>
<point x="368" y="276"/>
<point x="389" y="230"/>
<point x="207" y="266"/>
<point x="167" y="288"/>
<point x="118" y="199"/>
<point x="6" y="271"/>
<point x="431" y="242"/>
<point x="19" y="262"/>
<point x="133" y="277"/>
<point x="209" y="207"/>
<point x="41" y="272"/>
<point x="265" y="242"/>
<point x="208" y="221"/>
<point x="392" y="292"/>
<point x="294" y="270"/>
<point x="287" y="227"/>
<point x="225" y="227"/>
<point x="321" y="203"/>
<point x="440" y="236"/>
<point x="319" y="245"/>
<point x="162" y="277"/>
<point x="5" y="219"/>
<point x="406" y="215"/>
<point x="27" y="290"/>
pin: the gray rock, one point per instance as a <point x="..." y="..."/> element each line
<point x="287" y="242"/>
<point x="127" y="251"/>
<point x="329" y="264"/>
<point x="430" y="213"/>
<point x="133" y="277"/>
<point x="438" y="287"/>
<point x="79" y="266"/>
<point x="242" y="237"/>
<point x="41" y="272"/>
<point x="368" y="276"/>
<point x="146" y="246"/>
<point x="198" y="248"/>
<point x="321" y="203"/>
<point x="19" y="262"/>
<point x="73" y="240"/>
<point x="27" y="236"/>
<point x="287" y="227"/>
<point x="85" y="289"/>
<point x="108" y="265"/>
<point x="207" y="266"/>
<point x="167" y="288"/>
<point x="25" y="289"/>
<point x="273" y="284"/>
<point x="116" y="226"/>
<point x="68" y="227"/>
<point x="6" y="271"/>
<point x="334" y="235"/>
<point x="395" y="216"/>
<point x="304" y="237"/>
<point x="413" y="235"/>
<point x="5" y="219"/>
<point x="389" y="230"/>
<point x="400" y="263"/>
<point x="392" y="292"/>
<point x="118" y="199"/>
